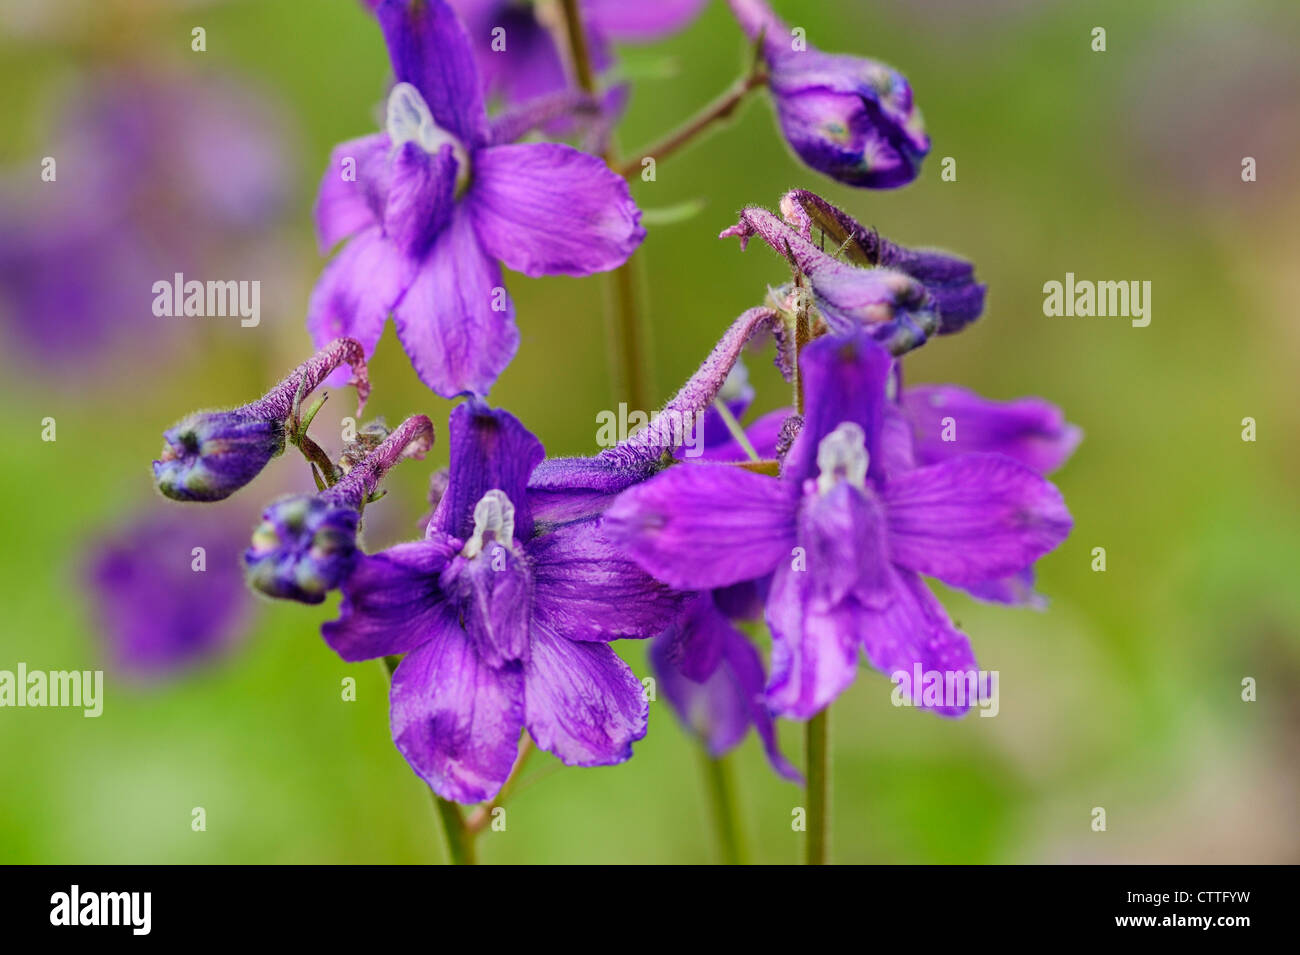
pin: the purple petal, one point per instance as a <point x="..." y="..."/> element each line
<point x="493" y="593"/>
<point x="814" y="648"/>
<point x="455" y="719"/>
<point x="351" y="196"/>
<point x="490" y="449"/>
<point x="448" y="320"/>
<point x="972" y="518"/>
<point x="699" y="526"/>
<point x="746" y="669"/>
<point x="640" y="22"/>
<point x="912" y="631"/>
<point x="1031" y="430"/>
<point x="392" y="602"/>
<point x="1015" y="590"/>
<point x="587" y="589"/>
<point x="430" y="50"/>
<point x="844" y="535"/>
<point x="547" y="209"/>
<point x="421" y="197"/>
<point x="843" y="380"/>
<point x="357" y="290"/>
<point x="582" y="702"/>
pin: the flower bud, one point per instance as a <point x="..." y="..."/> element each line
<point x="305" y="546"/>
<point x="208" y="456"/>
<point x="848" y="117"/>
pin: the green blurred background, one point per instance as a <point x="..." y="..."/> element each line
<point x="1125" y="694"/>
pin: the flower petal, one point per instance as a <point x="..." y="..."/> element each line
<point x="448" y="322"/>
<point x="391" y="602"/>
<point x="581" y="701"/>
<point x="586" y="589"/>
<point x="973" y="518"/>
<point x="352" y="189"/>
<point x="455" y="719"/>
<point x="1031" y="430"/>
<point x="844" y="380"/>
<point x="357" y="290"/>
<point x="912" y="631"/>
<point x="698" y="526"/>
<point x="430" y="50"/>
<point x="421" y="196"/>
<point x="640" y="22"/>
<point x="490" y="449"/>
<point x="547" y="209"/>
<point x="814" y="648"/>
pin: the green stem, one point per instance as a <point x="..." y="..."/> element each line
<point x="726" y="818"/>
<point x="720" y="109"/>
<point x="817" y="732"/>
<point x="736" y="430"/>
<point x="460" y="841"/>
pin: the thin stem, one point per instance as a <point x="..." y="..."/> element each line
<point x="817" y="735"/>
<point x="628" y="338"/>
<point x="720" y="109"/>
<point x="481" y="816"/>
<point x="736" y="430"/>
<point x="726" y="819"/>
<point x="577" y="36"/>
<point x="460" y="841"/>
<point x="628" y="346"/>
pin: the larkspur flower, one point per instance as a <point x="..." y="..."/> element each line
<point x="505" y="623"/>
<point x="306" y="544"/>
<point x="848" y="117"/>
<point x="436" y="202"/>
<point x="209" y="455"/>
<point x="846" y="530"/>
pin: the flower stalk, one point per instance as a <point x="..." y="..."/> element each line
<point x="817" y="736"/>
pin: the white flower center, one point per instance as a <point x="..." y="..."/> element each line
<point x="842" y="456"/>
<point x="495" y="515"/>
<point x="409" y="121"/>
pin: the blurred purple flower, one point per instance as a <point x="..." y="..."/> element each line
<point x="160" y="606"/>
<point x="433" y="203"/>
<point x="533" y="63"/>
<point x="156" y="173"/>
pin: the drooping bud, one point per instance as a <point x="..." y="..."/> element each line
<point x="948" y="278"/>
<point x="209" y="455"/>
<point x="306" y="545"/>
<point x="896" y="308"/>
<point x="848" y="117"/>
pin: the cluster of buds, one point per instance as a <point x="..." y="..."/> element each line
<point x="306" y="544"/>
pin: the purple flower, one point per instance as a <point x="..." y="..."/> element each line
<point x="848" y="117"/>
<point x="209" y="455"/>
<point x="846" y="530"/>
<point x="505" y="623"/>
<point x="159" y="605"/>
<point x="434" y="202"/>
<point x="307" y="544"/>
